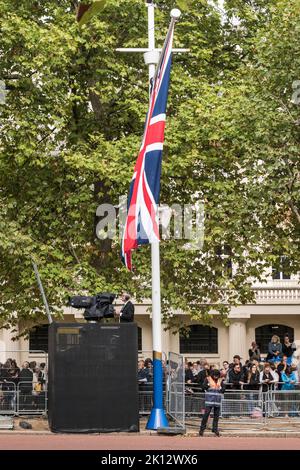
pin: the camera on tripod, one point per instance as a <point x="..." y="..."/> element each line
<point x="96" y="307"/>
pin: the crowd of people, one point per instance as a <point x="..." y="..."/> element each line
<point x="145" y="371"/>
<point x="29" y="381"/>
<point x="206" y="383"/>
<point x="277" y="370"/>
<point x="28" y="373"/>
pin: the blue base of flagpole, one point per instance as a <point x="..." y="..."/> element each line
<point x="157" y="419"/>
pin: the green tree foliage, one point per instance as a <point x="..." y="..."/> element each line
<point x="71" y="129"/>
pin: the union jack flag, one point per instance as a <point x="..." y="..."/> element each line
<point x="142" y="226"/>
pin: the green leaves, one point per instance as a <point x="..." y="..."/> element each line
<point x="71" y="129"/>
<point x="185" y="5"/>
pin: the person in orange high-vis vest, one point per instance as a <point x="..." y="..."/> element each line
<point x="214" y="388"/>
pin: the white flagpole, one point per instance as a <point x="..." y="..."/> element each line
<point x="158" y="418"/>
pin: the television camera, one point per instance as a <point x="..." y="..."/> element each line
<point x="96" y="307"/>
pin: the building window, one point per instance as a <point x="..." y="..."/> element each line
<point x="140" y="343"/>
<point x="38" y="338"/>
<point x="201" y="340"/>
<point x="263" y="335"/>
<point x="281" y="271"/>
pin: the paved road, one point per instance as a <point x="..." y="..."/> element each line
<point x="146" y="442"/>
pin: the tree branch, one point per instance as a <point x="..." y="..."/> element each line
<point x="295" y="210"/>
<point x="73" y="252"/>
<point x="290" y="188"/>
<point x="47" y="135"/>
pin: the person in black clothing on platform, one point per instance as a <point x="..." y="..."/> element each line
<point x="127" y="311"/>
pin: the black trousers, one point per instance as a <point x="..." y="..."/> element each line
<point x="206" y="416"/>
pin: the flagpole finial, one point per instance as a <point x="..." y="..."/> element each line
<point x="175" y="13"/>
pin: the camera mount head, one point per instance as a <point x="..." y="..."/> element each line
<point x="96" y="307"/>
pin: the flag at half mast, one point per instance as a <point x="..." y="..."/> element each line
<point x="141" y="226"/>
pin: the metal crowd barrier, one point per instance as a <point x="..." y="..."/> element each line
<point x="237" y="406"/>
<point x="175" y="391"/>
<point x="176" y="402"/>
<point x="22" y="399"/>
<point x="30" y="401"/>
<point x="17" y="398"/>
<point x="247" y="406"/>
<point x="146" y="397"/>
<point x="235" y="403"/>
<point x="194" y="401"/>
<point x="243" y="404"/>
<point x="283" y="404"/>
<point x="8" y="398"/>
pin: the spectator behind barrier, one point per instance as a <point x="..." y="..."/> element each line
<point x="189" y="376"/>
<point x="267" y="378"/>
<point x="274" y="372"/>
<point x="32" y="366"/>
<point x="195" y="370"/>
<point x="203" y="374"/>
<point x="236" y="377"/>
<point x="26" y="378"/>
<point x="42" y="377"/>
<point x="149" y="367"/>
<point x="274" y="350"/>
<point x="295" y="369"/>
<point x="258" y="364"/>
<point x="252" y="378"/>
<point x="254" y="352"/>
<point x="9" y="375"/>
<point x="143" y="372"/>
<point x="288" y="348"/>
<point x="236" y="360"/>
<point x="201" y="364"/>
<point x="281" y="367"/>
<point x="289" y="379"/>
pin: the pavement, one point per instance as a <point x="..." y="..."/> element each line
<point x="41" y="438"/>
<point x="277" y="435"/>
<point x="132" y="442"/>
